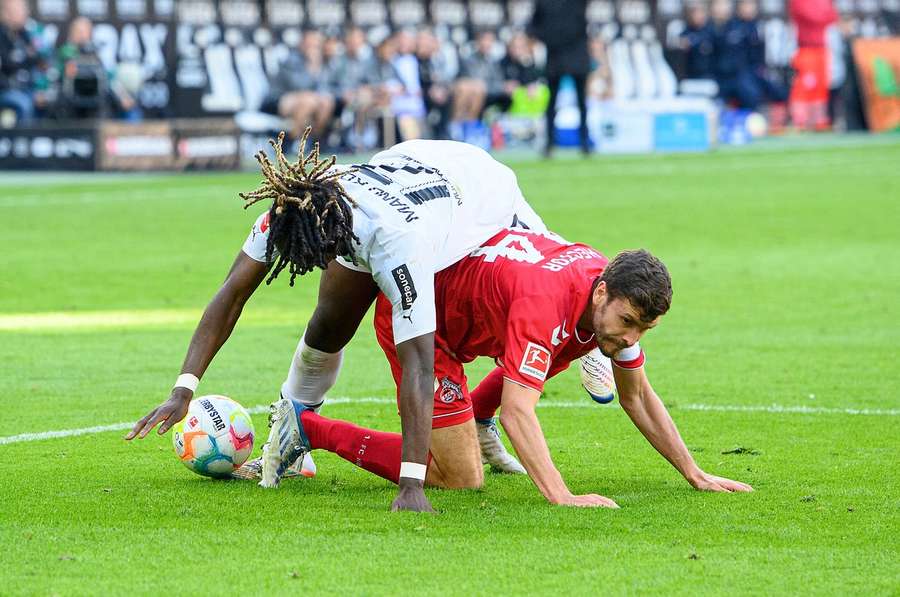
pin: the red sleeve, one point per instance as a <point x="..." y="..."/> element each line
<point x="529" y="351"/>
<point x="635" y="363"/>
<point x="630" y="358"/>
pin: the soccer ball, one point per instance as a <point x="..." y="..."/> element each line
<point x="215" y="437"/>
<point x="756" y="125"/>
<point x="597" y="377"/>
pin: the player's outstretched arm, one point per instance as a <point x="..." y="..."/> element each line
<point x="214" y="328"/>
<point x="650" y="416"/>
<point x="524" y="430"/>
<point x="416" y="409"/>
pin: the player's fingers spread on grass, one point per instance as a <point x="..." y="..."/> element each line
<point x="608" y="503"/>
<point x="168" y="422"/>
<point x="605" y="502"/>
<point x="734" y="485"/>
<point x="411" y="498"/>
<point x="173" y="415"/>
<point x="151" y="423"/>
<point x="592" y="500"/>
<point x="401" y="507"/>
<point x="709" y="482"/>
<point x="139" y="425"/>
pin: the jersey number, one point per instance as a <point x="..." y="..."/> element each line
<point x="512" y="246"/>
<point x="388" y="174"/>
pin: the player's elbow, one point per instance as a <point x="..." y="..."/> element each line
<point x="417" y="356"/>
<point x="512" y="414"/>
<point x="631" y="398"/>
<point x="419" y="374"/>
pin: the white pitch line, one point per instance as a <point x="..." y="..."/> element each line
<point x="803" y="410"/>
<point x="772" y="408"/>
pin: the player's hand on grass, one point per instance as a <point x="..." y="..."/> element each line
<point x="590" y="500"/>
<point x="707" y="482"/>
<point x="411" y="497"/>
<point x="168" y="413"/>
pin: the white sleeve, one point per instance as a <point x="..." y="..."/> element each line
<point x="630" y="358"/>
<point x="409" y="286"/>
<point x="255" y="245"/>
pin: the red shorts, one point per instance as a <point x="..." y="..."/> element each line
<point x="452" y="402"/>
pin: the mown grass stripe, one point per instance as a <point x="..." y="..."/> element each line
<point x="131" y="319"/>
<point x="772" y="409"/>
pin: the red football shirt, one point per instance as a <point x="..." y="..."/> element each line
<point x="518" y="299"/>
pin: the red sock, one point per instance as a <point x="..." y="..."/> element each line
<point x="486" y="397"/>
<point x="376" y="451"/>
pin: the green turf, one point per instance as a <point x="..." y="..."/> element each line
<point x="786" y="267"/>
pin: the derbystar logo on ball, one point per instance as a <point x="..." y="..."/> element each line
<point x="215" y="438"/>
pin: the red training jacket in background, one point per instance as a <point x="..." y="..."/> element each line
<point x="811" y="18"/>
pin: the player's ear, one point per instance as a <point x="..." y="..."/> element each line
<point x="599" y="293"/>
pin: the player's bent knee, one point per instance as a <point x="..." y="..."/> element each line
<point x="455" y="478"/>
<point x="471" y="478"/>
<point x="456" y="457"/>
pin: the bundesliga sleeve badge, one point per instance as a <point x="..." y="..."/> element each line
<point x="535" y="361"/>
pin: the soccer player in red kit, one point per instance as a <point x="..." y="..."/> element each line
<point x="534" y="303"/>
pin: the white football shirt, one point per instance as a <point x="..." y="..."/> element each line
<point x="421" y="206"/>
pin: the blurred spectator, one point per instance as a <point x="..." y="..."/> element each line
<point x="731" y="55"/>
<point x="600" y="81"/>
<point x="300" y="91"/>
<point x="523" y="77"/>
<point x="519" y="68"/>
<point x="848" y="103"/>
<point x="331" y="49"/>
<point x="386" y="83"/>
<point x="761" y="86"/>
<point x="353" y="76"/>
<point x="87" y="89"/>
<point x="698" y="42"/>
<point x="809" y="93"/>
<point x="385" y="75"/>
<point x="481" y="84"/>
<point x="20" y="62"/>
<point x="437" y="74"/>
<point x="740" y="61"/>
<point x="562" y="27"/>
<point x="748" y="18"/>
<point x="838" y="39"/>
<point x="406" y="101"/>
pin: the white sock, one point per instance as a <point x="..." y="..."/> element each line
<point x="312" y="373"/>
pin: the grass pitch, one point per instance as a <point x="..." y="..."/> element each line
<point x="778" y="362"/>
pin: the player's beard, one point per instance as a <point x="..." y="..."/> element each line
<point x="608" y="345"/>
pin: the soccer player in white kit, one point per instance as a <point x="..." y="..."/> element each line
<point x="389" y="225"/>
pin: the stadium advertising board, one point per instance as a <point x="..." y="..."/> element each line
<point x="131" y="147"/>
<point x="206" y="144"/>
<point x="878" y="70"/>
<point x="56" y="148"/>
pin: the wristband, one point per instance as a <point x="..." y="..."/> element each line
<point x="188" y="381"/>
<point x="413" y="470"/>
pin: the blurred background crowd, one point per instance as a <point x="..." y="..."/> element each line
<point x="361" y="87"/>
<point x="726" y="47"/>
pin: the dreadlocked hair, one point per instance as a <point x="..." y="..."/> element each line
<point x="310" y="221"/>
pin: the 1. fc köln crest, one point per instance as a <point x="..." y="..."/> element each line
<point x="450" y="391"/>
<point x="535" y="361"/>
